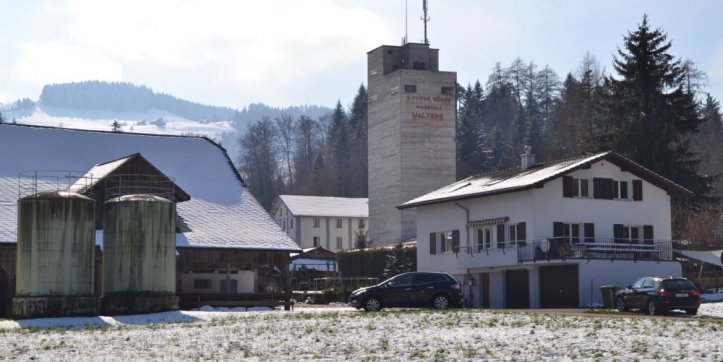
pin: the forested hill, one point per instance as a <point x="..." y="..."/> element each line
<point x="126" y="97"/>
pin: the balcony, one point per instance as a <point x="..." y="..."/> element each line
<point x="557" y="249"/>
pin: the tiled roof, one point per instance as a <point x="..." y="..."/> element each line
<point x="326" y="206"/>
<point x="518" y="179"/>
<point x="222" y="213"/>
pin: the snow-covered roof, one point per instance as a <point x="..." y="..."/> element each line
<point x="222" y="213"/>
<point x="326" y="206"/>
<point x="522" y="179"/>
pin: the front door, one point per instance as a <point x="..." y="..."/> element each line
<point x="5" y="293"/>
<point x="485" y="285"/>
<point x="517" y="285"/>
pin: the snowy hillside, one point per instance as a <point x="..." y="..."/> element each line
<point x="152" y="121"/>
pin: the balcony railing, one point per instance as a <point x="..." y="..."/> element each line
<point x="492" y="254"/>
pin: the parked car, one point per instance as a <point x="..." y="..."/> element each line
<point x="415" y="289"/>
<point x="657" y="295"/>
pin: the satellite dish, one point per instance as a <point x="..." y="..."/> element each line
<point x="544" y="245"/>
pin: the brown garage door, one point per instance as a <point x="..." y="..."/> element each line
<point x="517" y="285"/>
<point x="559" y="287"/>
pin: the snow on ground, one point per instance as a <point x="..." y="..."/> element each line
<point x="346" y="334"/>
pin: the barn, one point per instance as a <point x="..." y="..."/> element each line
<point x="228" y="249"/>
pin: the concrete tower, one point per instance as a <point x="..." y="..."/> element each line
<point x="412" y="111"/>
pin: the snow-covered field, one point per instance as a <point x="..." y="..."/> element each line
<point x="344" y="334"/>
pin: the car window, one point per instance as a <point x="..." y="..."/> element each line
<point x="678" y="284"/>
<point x="402" y="280"/>
<point x="648" y="283"/>
<point x="639" y="283"/>
<point x="423" y="278"/>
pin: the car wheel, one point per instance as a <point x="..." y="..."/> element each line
<point x="372" y="305"/>
<point x="691" y="311"/>
<point x="652" y="308"/>
<point x="440" y="302"/>
<point x="620" y="304"/>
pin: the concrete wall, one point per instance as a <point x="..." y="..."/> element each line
<point x="411" y="142"/>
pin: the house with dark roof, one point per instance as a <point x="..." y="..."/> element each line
<point x="229" y="249"/>
<point x="549" y="235"/>
<point x="329" y="222"/>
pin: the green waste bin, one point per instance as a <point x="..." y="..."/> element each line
<point x="608" y="295"/>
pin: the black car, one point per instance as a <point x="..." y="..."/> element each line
<point x="658" y="295"/>
<point x="415" y="289"/>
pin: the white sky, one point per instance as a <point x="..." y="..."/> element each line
<point x="293" y="52"/>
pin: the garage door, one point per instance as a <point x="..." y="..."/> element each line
<point x="517" y="285"/>
<point x="559" y="287"/>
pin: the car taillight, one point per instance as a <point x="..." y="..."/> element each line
<point x="665" y="293"/>
<point x="695" y="293"/>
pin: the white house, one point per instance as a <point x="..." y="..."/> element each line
<point x="329" y="222"/>
<point x="549" y="235"/>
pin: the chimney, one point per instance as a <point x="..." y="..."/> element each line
<point x="527" y="159"/>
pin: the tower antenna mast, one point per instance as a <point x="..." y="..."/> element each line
<point x="425" y="19"/>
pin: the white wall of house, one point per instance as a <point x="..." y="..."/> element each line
<point x="210" y="283"/>
<point x="539" y="208"/>
<point x="303" y="229"/>
<point x="619" y="273"/>
<point x="549" y="206"/>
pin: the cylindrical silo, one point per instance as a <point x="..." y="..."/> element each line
<point x="55" y="255"/>
<point x="139" y="255"/>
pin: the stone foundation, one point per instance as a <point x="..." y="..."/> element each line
<point x="53" y="306"/>
<point x="137" y="303"/>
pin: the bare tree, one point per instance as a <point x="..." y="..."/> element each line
<point x="285" y="128"/>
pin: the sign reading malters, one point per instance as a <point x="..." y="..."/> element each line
<point x="433" y="108"/>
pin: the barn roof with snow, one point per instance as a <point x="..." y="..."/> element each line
<point x="326" y="206"/>
<point x="504" y="181"/>
<point x="221" y="212"/>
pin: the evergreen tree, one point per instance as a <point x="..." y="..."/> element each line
<point x="708" y="143"/>
<point x="648" y="113"/>
<point x="358" y="124"/>
<point x="469" y="131"/>
<point x="397" y="262"/>
<point x="339" y="148"/>
<point x="115" y="127"/>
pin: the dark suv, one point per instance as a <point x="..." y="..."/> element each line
<point x="416" y="289"/>
<point x="659" y="294"/>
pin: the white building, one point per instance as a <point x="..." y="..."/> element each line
<point x="329" y="222"/>
<point x="549" y="235"/>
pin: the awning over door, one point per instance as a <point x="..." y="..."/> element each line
<point x="485" y="222"/>
<point x="709" y="256"/>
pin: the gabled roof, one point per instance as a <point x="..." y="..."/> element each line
<point x="97" y="175"/>
<point x="326" y="206"/>
<point x="513" y="180"/>
<point x="222" y="213"/>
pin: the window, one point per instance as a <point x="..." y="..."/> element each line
<point x="484" y="238"/>
<point x="573" y="233"/>
<point x="338" y="223"/>
<point x="229" y="286"/>
<point x="575" y="187"/>
<point x="633" y="234"/>
<point x="394" y="89"/>
<point x="201" y="283"/>
<point x="444" y="242"/>
<point x="317" y="241"/>
<point x="291" y="223"/>
<point x="316" y="222"/>
<point x="339" y="242"/>
<point x="620" y="190"/>
<point x="283" y="224"/>
<point x="410" y="88"/>
<point x="517" y="234"/>
<point x="361" y="224"/>
<point x="448" y="91"/>
<point x="419" y="66"/>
